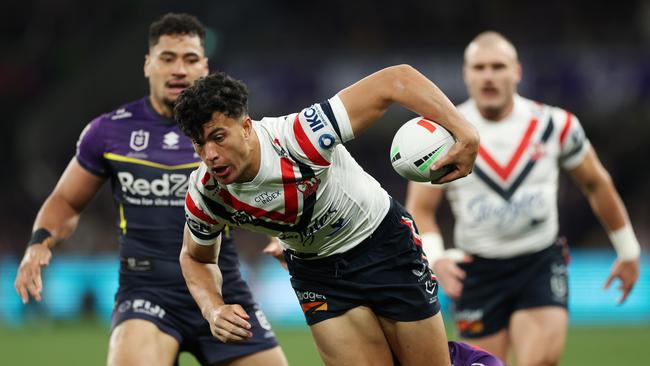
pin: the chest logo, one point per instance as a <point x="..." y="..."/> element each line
<point x="139" y="140"/>
<point x="170" y="141"/>
<point x="308" y="186"/>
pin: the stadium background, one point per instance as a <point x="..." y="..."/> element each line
<point x="64" y="62"/>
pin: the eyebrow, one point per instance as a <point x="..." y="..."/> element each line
<point x="172" y="53"/>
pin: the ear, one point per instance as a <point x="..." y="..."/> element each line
<point x="247" y="126"/>
<point x="519" y="72"/>
<point x="147" y="64"/>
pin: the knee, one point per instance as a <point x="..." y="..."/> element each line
<point x="539" y="359"/>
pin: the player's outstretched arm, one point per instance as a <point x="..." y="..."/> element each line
<point x="56" y="220"/>
<point x="229" y="323"/>
<point x="606" y="203"/>
<point x="368" y="99"/>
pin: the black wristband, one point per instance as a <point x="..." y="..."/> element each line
<point x="39" y="236"/>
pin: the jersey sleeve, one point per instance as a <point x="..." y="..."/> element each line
<point x="203" y="226"/>
<point x="573" y="142"/>
<point x="90" y="149"/>
<point x="313" y="133"/>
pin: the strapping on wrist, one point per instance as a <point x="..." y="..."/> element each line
<point x="625" y="243"/>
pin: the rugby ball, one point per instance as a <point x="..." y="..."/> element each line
<point x="416" y="145"/>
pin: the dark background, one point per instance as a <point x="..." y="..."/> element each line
<point x="64" y="62"/>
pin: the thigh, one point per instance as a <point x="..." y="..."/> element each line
<point x="270" y="357"/>
<point x="538" y="335"/>
<point x="140" y="342"/>
<point x="496" y="343"/>
<point x="261" y="349"/>
<point x="354" y="338"/>
<point x="421" y="342"/>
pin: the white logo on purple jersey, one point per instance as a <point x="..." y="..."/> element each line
<point x="139" y="140"/>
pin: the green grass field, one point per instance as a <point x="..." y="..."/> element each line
<point x="84" y="343"/>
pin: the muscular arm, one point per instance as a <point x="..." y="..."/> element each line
<point x="597" y="185"/>
<point x="229" y="323"/>
<point x="59" y="215"/>
<point x="422" y="201"/>
<point x="201" y="272"/>
<point x="367" y="100"/>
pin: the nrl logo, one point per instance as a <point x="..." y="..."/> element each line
<point x="308" y="186"/>
<point x="241" y="218"/>
<point x="279" y="149"/>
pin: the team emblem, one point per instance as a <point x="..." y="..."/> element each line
<point x="139" y="140"/>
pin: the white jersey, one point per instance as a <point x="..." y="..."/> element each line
<point x="309" y="190"/>
<point x="508" y="206"/>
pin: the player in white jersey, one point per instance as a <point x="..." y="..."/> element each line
<point x="511" y="286"/>
<point x="353" y="253"/>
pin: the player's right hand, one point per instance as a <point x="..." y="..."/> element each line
<point x="28" y="279"/>
<point x="450" y="276"/>
<point x="229" y="324"/>
<point x="274" y="249"/>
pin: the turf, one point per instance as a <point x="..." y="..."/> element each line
<point x="84" y="343"/>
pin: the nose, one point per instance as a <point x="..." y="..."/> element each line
<point x="179" y="68"/>
<point x="210" y="151"/>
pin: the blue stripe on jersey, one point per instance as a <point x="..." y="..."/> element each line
<point x="327" y="108"/>
<point x="507" y="193"/>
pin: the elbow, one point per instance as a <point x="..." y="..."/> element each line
<point x="400" y="76"/>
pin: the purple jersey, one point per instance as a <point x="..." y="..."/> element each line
<point x="463" y="354"/>
<point x="148" y="161"/>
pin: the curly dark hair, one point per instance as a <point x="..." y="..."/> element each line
<point x="176" y="24"/>
<point x="217" y="92"/>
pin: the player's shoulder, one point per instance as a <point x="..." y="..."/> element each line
<point x="137" y="109"/>
<point x="558" y="113"/>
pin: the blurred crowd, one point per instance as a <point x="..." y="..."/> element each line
<point x="63" y="63"/>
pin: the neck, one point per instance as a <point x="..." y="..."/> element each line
<point x="160" y="107"/>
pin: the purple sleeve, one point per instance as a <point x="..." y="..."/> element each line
<point x="91" y="147"/>
<point x="463" y="354"/>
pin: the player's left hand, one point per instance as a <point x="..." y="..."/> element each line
<point x="229" y="323"/>
<point x="628" y="273"/>
<point x="461" y="156"/>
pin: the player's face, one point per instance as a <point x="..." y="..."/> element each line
<point x="491" y="75"/>
<point x="227" y="148"/>
<point x="172" y="65"/>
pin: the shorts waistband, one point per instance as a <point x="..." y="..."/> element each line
<point x="354" y="251"/>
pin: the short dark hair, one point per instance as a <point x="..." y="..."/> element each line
<point x="217" y="92"/>
<point x="176" y="24"/>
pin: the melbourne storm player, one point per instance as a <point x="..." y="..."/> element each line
<point x="513" y="294"/>
<point x="353" y="252"/>
<point x="148" y="160"/>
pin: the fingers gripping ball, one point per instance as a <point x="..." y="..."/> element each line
<point x="416" y="145"/>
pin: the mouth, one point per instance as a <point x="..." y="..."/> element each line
<point x="176" y="86"/>
<point x="221" y="171"/>
<point x="489" y="91"/>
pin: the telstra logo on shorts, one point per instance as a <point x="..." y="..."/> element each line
<point x="311" y="301"/>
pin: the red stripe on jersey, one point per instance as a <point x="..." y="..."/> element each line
<point x="428" y="125"/>
<point x="505" y="171"/>
<point x="189" y="203"/>
<point x="290" y="190"/>
<point x="306" y="145"/>
<point x="206" y="178"/>
<point x="238" y="205"/>
<point x="565" y="130"/>
<point x="416" y="238"/>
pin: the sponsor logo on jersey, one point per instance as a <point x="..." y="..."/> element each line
<point x="306" y="236"/>
<point x="170" y="141"/>
<point x="242" y="217"/>
<point x="312" y="117"/>
<point x="139" y="140"/>
<point x="308" y="186"/>
<point x="168" y="185"/>
<point x="266" y="197"/>
<point x="504" y="213"/>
